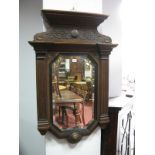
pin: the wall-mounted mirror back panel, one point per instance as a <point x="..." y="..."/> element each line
<point x="72" y="67"/>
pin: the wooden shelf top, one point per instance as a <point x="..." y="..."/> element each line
<point x="57" y="17"/>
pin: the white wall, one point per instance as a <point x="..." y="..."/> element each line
<point x="113" y="28"/>
<point x="88" y="145"/>
<point x="79" y="5"/>
<point x="31" y="142"/>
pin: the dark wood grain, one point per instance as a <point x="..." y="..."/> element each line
<point x="42" y="94"/>
<point x="57" y="17"/>
<point x="109" y="135"/>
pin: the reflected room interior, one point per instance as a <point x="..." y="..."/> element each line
<point x="73" y="84"/>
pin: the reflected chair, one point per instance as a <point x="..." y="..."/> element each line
<point x="79" y="113"/>
<point x="55" y="84"/>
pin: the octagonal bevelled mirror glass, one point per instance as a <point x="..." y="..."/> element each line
<point x="73" y="85"/>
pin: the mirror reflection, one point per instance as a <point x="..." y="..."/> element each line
<point x="73" y="91"/>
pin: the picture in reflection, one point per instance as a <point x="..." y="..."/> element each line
<point x="73" y="91"/>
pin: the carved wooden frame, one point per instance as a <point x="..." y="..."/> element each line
<point x="61" y="36"/>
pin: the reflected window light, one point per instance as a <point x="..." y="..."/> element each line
<point x="74" y="60"/>
<point x="67" y="64"/>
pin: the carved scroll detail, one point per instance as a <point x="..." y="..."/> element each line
<point x="67" y="33"/>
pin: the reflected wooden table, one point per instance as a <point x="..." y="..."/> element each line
<point x="83" y="85"/>
<point x="69" y="100"/>
<point x="79" y="84"/>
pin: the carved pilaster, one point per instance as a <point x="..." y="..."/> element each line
<point x="43" y="105"/>
<point x="104" y="51"/>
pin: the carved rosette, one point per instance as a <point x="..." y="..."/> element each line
<point x="74" y="137"/>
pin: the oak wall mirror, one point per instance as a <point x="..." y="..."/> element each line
<point x="72" y="74"/>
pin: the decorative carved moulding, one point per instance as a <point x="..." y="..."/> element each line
<point x="72" y="67"/>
